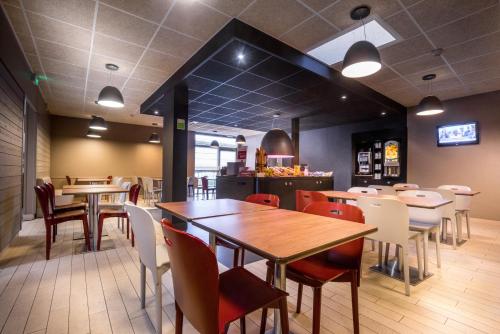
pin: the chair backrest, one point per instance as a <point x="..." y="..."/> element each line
<point x="51" y="191"/>
<point x="432" y="216"/>
<point x="447" y="210"/>
<point x="46" y="179"/>
<point x="147" y="182"/>
<point x="305" y="197"/>
<point x="42" y="194"/>
<point x="384" y="190"/>
<point x="406" y="185"/>
<point x="122" y="197"/>
<point x="362" y="190"/>
<point x="204" y="183"/>
<point x="68" y="180"/>
<point x="264" y="199"/>
<point x="135" y="179"/>
<point x="110" y="178"/>
<point x="462" y="203"/>
<point x="133" y="193"/>
<point x="144" y="231"/>
<point x="117" y="180"/>
<point x="195" y="279"/>
<point x="390" y="216"/>
<point x="350" y="252"/>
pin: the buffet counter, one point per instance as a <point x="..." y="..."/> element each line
<point x="239" y="187"/>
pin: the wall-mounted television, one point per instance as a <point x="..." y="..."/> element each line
<point x="466" y="133"/>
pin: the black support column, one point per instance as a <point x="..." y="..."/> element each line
<point x="295" y="140"/>
<point x="174" y="141"/>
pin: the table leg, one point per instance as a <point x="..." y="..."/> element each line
<point x="212" y="242"/>
<point x="93" y="211"/>
<point x="280" y="283"/>
<point x="90" y="200"/>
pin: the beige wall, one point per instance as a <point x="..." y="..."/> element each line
<point x="477" y="166"/>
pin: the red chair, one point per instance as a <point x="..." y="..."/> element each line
<point x="133" y="194"/>
<point x="339" y="264"/>
<point x="211" y="301"/>
<point x="52" y="219"/>
<point x="205" y="188"/>
<point x="68" y="180"/>
<point x="62" y="208"/>
<point x="109" y="178"/>
<point x="304" y="197"/>
<point x="264" y="199"/>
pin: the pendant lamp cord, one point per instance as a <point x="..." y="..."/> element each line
<point x="364" y="27"/>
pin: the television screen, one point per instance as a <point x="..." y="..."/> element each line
<point x="458" y="134"/>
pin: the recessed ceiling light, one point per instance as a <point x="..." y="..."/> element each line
<point x="276" y="115"/>
<point x="240" y="56"/>
<point x="334" y="50"/>
<point x="156" y="112"/>
<point x="194" y="122"/>
<point x="343" y="97"/>
<point x="383" y="113"/>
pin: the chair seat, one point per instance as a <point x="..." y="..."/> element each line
<point x="422" y="226"/>
<point x="241" y="292"/>
<point x="67" y="215"/>
<point x="162" y="259"/>
<point x="72" y="206"/>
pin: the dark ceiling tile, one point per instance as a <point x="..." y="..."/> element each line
<point x="229" y="55"/>
<point x="193" y="94"/>
<point x="243" y="114"/>
<point x="230" y="119"/>
<point x="276" y="90"/>
<point x="210" y="115"/>
<point x="249" y="81"/>
<point x="222" y="111"/>
<point x="259" y="110"/>
<point x="277" y="104"/>
<point x="212" y="99"/>
<point x="228" y="92"/>
<point x="254" y="98"/>
<point x="235" y="104"/>
<point x="274" y="69"/>
<point x="216" y="71"/>
<point x="303" y="80"/>
<point x="200" y="106"/>
<point x="200" y="84"/>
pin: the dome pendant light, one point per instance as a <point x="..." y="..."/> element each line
<point x="214" y="144"/>
<point x="277" y="143"/>
<point x="93" y="134"/>
<point x="429" y="105"/>
<point x="98" y="123"/>
<point x="362" y="59"/>
<point x="111" y="96"/>
<point x="154" y="138"/>
<point x="240" y="140"/>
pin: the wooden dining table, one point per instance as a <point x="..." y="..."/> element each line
<point x="282" y="236"/>
<point x="457" y="192"/>
<point x="91" y="180"/>
<point x="92" y="191"/>
<point x="416" y="202"/>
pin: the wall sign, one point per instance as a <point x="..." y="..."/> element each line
<point x="181" y="124"/>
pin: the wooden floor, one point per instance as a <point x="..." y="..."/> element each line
<point x="97" y="292"/>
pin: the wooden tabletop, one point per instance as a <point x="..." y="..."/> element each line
<point x="417" y="202"/>
<point x="91" y="179"/>
<point x="210" y="208"/>
<point x="284" y="235"/>
<point x="455" y="191"/>
<point x="85" y="189"/>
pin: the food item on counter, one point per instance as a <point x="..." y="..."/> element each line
<point x="260" y="159"/>
<point x="279" y="171"/>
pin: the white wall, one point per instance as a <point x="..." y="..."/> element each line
<point x="253" y="142"/>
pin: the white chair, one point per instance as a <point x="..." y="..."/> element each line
<point x="426" y="221"/>
<point x="117" y="180"/>
<point x="391" y="218"/>
<point x="449" y="214"/>
<point x="360" y="190"/>
<point x="151" y="194"/>
<point x="407" y="186"/>
<point x="462" y="206"/>
<point x="152" y="256"/>
<point x="384" y="190"/>
<point x="118" y="201"/>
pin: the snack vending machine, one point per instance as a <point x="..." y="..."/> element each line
<point x="364" y="162"/>
<point x="392" y="166"/>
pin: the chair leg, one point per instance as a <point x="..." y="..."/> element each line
<point x="242" y="261"/>
<point x="316" y="310"/>
<point x="243" y="326"/>
<point x="419" y="258"/>
<point x="179" y="318"/>
<point x="467" y="221"/>
<point x="133" y="237"/>
<point x="86" y="232"/>
<point x="236" y="257"/>
<point x="128" y="228"/>
<point x="426" y="252"/>
<point x="458" y="217"/>
<point x="158" y="303"/>
<point x="299" y="297"/>
<point x="406" y="268"/>
<point x="387" y="250"/>
<point x="99" y="231"/>
<point x="373" y="245"/>
<point x="143" y="285"/>
<point x="54" y="232"/>
<point x="380" y="246"/>
<point x="453" y="223"/>
<point x="438" y="247"/>
<point x="48" y="241"/>
<point x="284" y="315"/>
<point x="263" y="319"/>
<point x="354" y="299"/>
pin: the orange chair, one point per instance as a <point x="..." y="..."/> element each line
<point x="305" y="197"/>
<point x="339" y="264"/>
<point x="264" y="199"/>
<point x="211" y="301"/>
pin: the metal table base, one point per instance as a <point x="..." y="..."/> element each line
<point x="391" y="269"/>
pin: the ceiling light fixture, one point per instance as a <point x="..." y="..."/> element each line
<point x="156" y="112"/>
<point x="383" y="113"/>
<point x="240" y="140"/>
<point x="154" y="138"/>
<point x="429" y="105"/>
<point x="214" y="144"/>
<point x="362" y="59"/>
<point x="344" y="97"/>
<point x="93" y="134"/>
<point x="98" y="123"/>
<point x="276" y="142"/>
<point x="111" y="96"/>
<point x="240" y="56"/>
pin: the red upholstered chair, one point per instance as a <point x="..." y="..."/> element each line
<point x="62" y="208"/>
<point x="209" y="300"/>
<point x="110" y="178"/>
<point x="264" y="199"/>
<point x="205" y="188"/>
<point x="52" y="219"/>
<point x="68" y="180"/>
<point x="339" y="264"/>
<point x="304" y="197"/>
<point x="133" y="194"/>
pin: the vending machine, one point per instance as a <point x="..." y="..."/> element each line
<point x="364" y="162"/>
<point x="392" y="166"/>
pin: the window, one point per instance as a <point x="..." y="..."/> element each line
<point x="226" y="156"/>
<point x="208" y="160"/>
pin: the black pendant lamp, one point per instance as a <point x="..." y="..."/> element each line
<point x="93" y="134"/>
<point x="240" y="140"/>
<point x="214" y="144"/>
<point x="429" y="105"/>
<point x="362" y="59"/>
<point x="277" y="143"/>
<point x="111" y="96"/>
<point x="98" y="123"/>
<point x="154" y="138"/>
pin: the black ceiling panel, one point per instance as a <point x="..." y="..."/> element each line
<point x="221" y="111"/>
<point x="200" y="84"/>
<point x="276" y="90"/>
<point x="254" y="98"/>
<point x="251" y="55"/>
<point x="193" y="94"/>
<point x="199" y="106"/>
<point x="237" y="105"/>
<point x="274" y="69"/>
<point x="216" y="71"/>
<point x="249" y="81"/>
<point x="212" y="99"/>
<point x="229" y="92"/>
